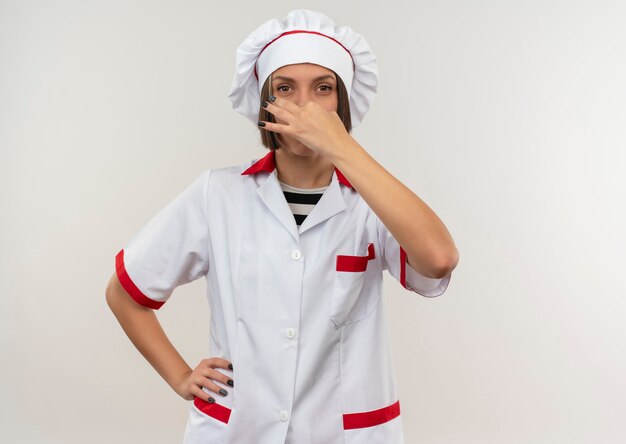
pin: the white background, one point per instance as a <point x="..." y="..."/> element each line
<point x="507" y="117"/>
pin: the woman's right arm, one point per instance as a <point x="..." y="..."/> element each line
<point x="144" y="330"/>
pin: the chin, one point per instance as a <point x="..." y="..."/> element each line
<point x="298" y="149"/>
<point x="303" y="151"/>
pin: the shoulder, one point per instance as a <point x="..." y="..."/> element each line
<point x="227" y="178"/>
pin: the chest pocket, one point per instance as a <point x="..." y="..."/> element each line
<point x="349" y="302"/>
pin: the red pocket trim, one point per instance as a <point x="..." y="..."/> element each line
<point x="213" y="409"/>
<point x="355" y="263"/>
<point x="372" y="418"/>
<point x="130" y="286"/>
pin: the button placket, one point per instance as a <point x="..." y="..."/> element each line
<point x="290" y="333"/>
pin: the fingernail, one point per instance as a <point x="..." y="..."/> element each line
<point x="211" y="400"/>
<point x="231" y="382"/>
<point x="230" y="366"/>
<point x="261" y="123"/>
<point x="223" y="392"/>
<point x="272" y="98"/>
<point x="263" y="103"/>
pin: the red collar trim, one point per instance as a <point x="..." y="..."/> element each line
<point x="268" y="164"/>
<point x="342" y="179"/>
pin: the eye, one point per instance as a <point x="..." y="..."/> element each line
<point x="278" y="88"/>
<point x="328" y="88"/>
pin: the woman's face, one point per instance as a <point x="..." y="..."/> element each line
<point x="301" y="83"/>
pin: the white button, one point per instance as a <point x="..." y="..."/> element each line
<point x="284" y="416"/>
<point x="290" y="333"/>
<point x="296" y="254"/>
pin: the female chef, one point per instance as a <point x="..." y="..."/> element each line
<point x="292" y="247"/>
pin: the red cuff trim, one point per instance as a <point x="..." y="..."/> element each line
<point x="403" y="267"/>
<point x="369" y="419"/>
<point x="130" y="286"/>
<point x="355" y="263"/>
<point x="213" y="410"/>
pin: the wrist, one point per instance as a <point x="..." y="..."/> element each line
<point x="342" y="149"/>
<point x="179" y="384"/>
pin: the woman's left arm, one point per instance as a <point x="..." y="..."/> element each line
<point x="429" y="246"/>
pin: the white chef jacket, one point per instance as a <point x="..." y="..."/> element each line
<point x="299" y="312"/>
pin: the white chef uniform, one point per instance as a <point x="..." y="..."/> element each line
<point x="299" y="313"/>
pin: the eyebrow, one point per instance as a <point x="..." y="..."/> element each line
<point x="289" y="79"/>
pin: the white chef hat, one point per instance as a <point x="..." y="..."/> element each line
<point x="304" y="36"/>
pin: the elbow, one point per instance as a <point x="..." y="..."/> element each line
<point x="439" y="266"/>
<point x="446" y="264"/>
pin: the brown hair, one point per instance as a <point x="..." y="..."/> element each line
<point x="270" y="138"/>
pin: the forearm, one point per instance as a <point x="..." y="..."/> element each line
<point x="144" y="330"/>
<point x="429" y="246"/>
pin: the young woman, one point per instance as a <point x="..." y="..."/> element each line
<point x="293" y="246"/>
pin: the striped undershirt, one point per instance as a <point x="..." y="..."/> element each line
<point x="301" y="200"/>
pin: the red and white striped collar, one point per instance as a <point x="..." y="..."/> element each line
<point x="268" y="164"/>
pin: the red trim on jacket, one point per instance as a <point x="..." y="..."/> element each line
<point x="213" y="409"/>
<point x="355" y="263"/>
<point x="372" y="418"/>
<point x="403" y="267"/>
<point x="268" y="164"/>
<point x="301" y="31"/>
<point x="265" y="163"/>
<point x="342" y="179"/>
<point x="130" y="286"/>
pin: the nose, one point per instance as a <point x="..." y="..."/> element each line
<point x="303" y="97"/>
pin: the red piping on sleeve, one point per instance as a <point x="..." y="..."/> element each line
<point x="369" y="419"/>
<point x="403" y="267"/>
<point x="130" y="286"/>
<point x="213" y="409"/>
